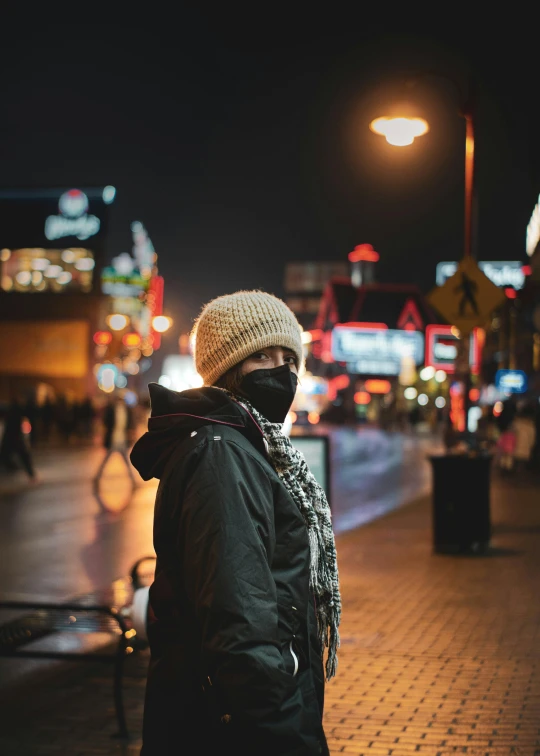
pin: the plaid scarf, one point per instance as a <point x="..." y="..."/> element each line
<point x="311" y="500"/>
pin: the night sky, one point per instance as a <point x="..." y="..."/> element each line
<point x="243" y="143"/>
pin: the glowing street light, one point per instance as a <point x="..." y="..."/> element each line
<point x="117" y="322"/>
<point x="399" y="131"/>
<point x="161" y="323"/>
<point x="402" y="131"/>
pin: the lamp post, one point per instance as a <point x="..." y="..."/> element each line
<point x="461" y="497"/>
<point x="401" y="131"/>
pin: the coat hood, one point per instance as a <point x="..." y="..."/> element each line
<point x="176" y="414"/>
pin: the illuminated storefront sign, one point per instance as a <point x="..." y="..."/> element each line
<point x="74" y="219"/>
<point x="442" y="348"/>
<point x="376" y="351"/>
<point x="511" y="381"/>
<point x="506" y="273"/>
<point x="123" y="278"/>
<point x="533" y="230"/>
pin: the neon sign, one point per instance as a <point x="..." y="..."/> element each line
<point x="376" y="351"/>
<point x="442" y="348"/>
<point x="154" y="303"/>
<point x="511" y="381"/>
<point x="74" y="219"/>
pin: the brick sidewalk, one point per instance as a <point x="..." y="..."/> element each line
<point x="440" y="654"/>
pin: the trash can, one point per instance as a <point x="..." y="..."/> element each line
<point x="461" y="502"/>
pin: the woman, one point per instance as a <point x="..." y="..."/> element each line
<point x="245" y="596"/>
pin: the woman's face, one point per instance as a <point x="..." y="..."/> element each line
<point x="270" y="357"/>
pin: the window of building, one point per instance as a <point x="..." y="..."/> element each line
<point x="50" y="270"/>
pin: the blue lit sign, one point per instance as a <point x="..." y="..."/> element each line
<point x="376" y="351"/>
<point x="513" y="381"/>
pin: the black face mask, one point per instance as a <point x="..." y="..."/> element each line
<point x="271" y="391"/>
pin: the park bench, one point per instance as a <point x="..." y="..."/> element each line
<point x="108" y="613"/>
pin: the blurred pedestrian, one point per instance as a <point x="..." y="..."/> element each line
<point x="65" y="417"/>
<point x="118" y="428"/>
<point x="31" y="412"/>
<point x="506" y="446"/>
<point x="246" y="592"/>
<point x="14" y="447"/>
<point x="508" y="413"/>
<point x="525" y="433"/>
<point x="47" y="418"/>
<point x="86" y="418"/>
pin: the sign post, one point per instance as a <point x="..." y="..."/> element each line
<point x="466" y="300"/>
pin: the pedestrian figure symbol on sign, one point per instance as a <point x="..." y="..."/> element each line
<point x="468" y="288"/>
<point x="467" y="299"/>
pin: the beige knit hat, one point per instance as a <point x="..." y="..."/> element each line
<point x="232" y="327"/>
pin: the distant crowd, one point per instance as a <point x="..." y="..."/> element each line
<point x="26" y="425"/>
<point x="64" y="420"/>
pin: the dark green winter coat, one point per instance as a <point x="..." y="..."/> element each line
<point x="235" y="660"/>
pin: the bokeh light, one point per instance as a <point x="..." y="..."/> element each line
<point x="117" y="322"/>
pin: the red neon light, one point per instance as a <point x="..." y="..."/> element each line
<point x="363" y="326"/>
<point x="478" y="338"/>
<point x="410" y="319"/>
<point x="446" y="330"/>
<point x="377" y="386"/>
<point x="510" y="293"/>
<point x="340" y="381"/>
<point x="362" y="397"/>
<point x="526" y="270"/>
<point x="363" y="252"/>
<point x="474" y="395"/>
<point x="337" y="383"/>
<point x="102" y="338"/>
<point x="316" y="334"/>
<point x="154" y="301"/>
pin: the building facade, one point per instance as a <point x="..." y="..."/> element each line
<point x="52" y="251"/>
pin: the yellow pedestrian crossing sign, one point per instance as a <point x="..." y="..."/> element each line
<point x="466" y="299"/>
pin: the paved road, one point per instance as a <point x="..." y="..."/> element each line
<point x="58" y="539"/>
<point x="375" y="472"/>
<point x="439" y="654"/>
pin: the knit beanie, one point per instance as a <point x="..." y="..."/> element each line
<point x="234" y="326"/>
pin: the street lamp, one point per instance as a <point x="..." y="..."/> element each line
<point x="461" y="499"/>
<point x="401" y="131"/>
